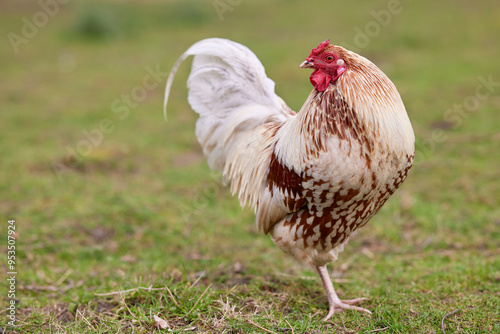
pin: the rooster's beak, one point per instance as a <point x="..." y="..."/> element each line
<point x="306" y="64"/>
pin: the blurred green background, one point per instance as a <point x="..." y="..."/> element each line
<point x="107" y="196"/>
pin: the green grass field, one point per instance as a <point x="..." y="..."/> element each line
<point x="118" y="218"/>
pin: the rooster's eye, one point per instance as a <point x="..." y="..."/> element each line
<point x="329" y="59"/>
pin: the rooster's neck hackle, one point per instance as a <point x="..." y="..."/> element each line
<point x="363" y="105"/>
<point x="331" y="115"/>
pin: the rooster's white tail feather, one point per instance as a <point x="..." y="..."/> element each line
<point x="239" y="112"/>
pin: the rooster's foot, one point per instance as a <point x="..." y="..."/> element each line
<point x="336" y="304"/>
<point x="346" y="305"/>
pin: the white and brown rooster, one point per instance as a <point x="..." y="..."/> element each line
<point x="315" y="176"/>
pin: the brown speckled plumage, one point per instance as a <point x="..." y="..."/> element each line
<point x="328" y="209"/>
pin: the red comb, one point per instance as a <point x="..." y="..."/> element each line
<point x="320" y="48"/>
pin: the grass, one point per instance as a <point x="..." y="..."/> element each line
<point x="140" y="212"/>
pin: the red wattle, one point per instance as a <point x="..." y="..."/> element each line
<point x="320" y="80"/>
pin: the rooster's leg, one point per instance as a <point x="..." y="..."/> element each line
<point x="333" y="300"/>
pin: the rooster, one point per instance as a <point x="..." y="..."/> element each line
<point x="312" y="177"/>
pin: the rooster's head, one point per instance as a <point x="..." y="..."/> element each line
<point x="327" y="64"/>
